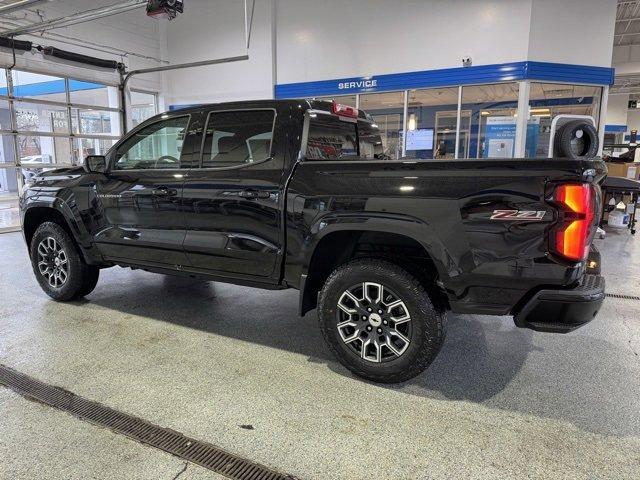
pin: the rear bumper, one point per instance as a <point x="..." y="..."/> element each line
<point x="562" y="311"/>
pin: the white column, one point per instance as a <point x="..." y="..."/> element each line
<point x="405" y="109"/>
<point x="458" y="123"/>
<point x="602" y="118"/>
<point x="522" y="119"/>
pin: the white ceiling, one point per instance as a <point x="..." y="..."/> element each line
<point x="627" y="31"/>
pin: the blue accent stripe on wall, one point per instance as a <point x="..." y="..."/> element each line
<point x="502" y="72"/>
<point x="615" y="128"/>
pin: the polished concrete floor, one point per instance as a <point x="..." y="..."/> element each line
<point x="9" y="214"/>
<point x="206" y="358"/>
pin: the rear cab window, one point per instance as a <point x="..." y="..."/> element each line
<point x="335" y="138"/>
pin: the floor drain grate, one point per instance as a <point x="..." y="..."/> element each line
<point x="195" y="451"/>
<point x="624" y="297"/>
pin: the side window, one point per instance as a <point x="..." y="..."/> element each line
<point x="157" y="146"/>
<point x="331" y="139"/>
<point x="237" y="138"/>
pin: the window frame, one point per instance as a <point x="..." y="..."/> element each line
<point x="245" y="165"/>
<point x="113" y="153"/>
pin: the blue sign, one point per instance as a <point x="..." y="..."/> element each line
<point x="446" y="77"/>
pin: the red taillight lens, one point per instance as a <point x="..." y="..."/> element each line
<point x="344" y="110"/>
<point x="572" y="235"/>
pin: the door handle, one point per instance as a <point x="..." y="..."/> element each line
<point x="164" y="192"/>
<point x="252" y="194"/>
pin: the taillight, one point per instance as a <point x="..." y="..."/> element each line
<point x="344" y="110"/>
<point x="572" y="235"/>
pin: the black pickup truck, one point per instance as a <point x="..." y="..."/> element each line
<point x="298" y="194"/>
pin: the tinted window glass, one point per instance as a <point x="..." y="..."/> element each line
<point x="331" y="139"/>
<point x="370" y="141"/>
<point x="238" y="138"/>
<point x="334" y="139"/>
<point x="156" y="146"/>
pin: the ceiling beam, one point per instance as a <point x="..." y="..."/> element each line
<point x="20" y="5"/>
<point x="76" y="18"/>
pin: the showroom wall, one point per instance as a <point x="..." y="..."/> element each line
<point x="215" y="29"/>
<point x="314" y="42"/>
<point x="617" y="109"/>
<point x="572" y="31"/>
<point x="377" y="36"/>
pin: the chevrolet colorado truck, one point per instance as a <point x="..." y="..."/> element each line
<point x="298" y="194"/>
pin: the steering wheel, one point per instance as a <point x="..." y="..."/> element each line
<point x="167" y="159"/>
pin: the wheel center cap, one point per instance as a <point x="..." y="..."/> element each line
<point x="375" y="319"/>
<point x="57" y="262"/>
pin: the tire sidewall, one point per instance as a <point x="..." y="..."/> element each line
<point x="74" y="280"/>
<point x="426" y="323"/>
<point x="566" y="134"/>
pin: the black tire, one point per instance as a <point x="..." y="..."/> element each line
<point x="51" y="241"/>
<point x="577" y="140"/>
<point x="425" y="330"/>
<point x="90" y="282"/>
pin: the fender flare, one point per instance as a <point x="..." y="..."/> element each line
<point x="391" y="223"/>
<point x="76" y="228"/>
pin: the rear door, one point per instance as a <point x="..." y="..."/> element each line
<point x="233" y="201"/>
<point x="142" y="193"/>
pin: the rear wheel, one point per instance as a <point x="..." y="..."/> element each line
<point x="58" y="266"/>
<point x="379" y="321"/>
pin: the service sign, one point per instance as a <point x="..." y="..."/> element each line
<point x="364" y="84"/>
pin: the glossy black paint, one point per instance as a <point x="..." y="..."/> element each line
<point x="261" y="224"/>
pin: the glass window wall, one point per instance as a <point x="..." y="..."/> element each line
<point x="489" y="124"/>
<point x="431" y="123"/>
<point x="487" y="117"/>
<point x="548" y="100"/>
<point x="46" y="122"/>
<point x="144" y="105"/>
<point x="387" y="112"/>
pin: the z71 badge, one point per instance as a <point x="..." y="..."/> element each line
<point x="521" y="215"/>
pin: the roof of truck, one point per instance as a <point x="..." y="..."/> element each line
<point x="302" y="103"/>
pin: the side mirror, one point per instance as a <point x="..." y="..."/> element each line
<point x="95" y="163"/>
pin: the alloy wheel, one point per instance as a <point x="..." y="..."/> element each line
<point x="53" y="263"/>
<point x="374" y="322"/>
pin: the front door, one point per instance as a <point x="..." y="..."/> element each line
<point x="233" y="202"/>
<point x="141" y="197"/>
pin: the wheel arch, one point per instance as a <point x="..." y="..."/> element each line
<point x="339" y="242"/>
<point x="36" y="215"/>
<point x="58" y="212"/>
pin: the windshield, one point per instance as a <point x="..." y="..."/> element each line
<point x="331" y="138"/>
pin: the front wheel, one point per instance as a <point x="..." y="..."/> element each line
<point x="58" y="266"/>
<point x="379" y="321"/>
